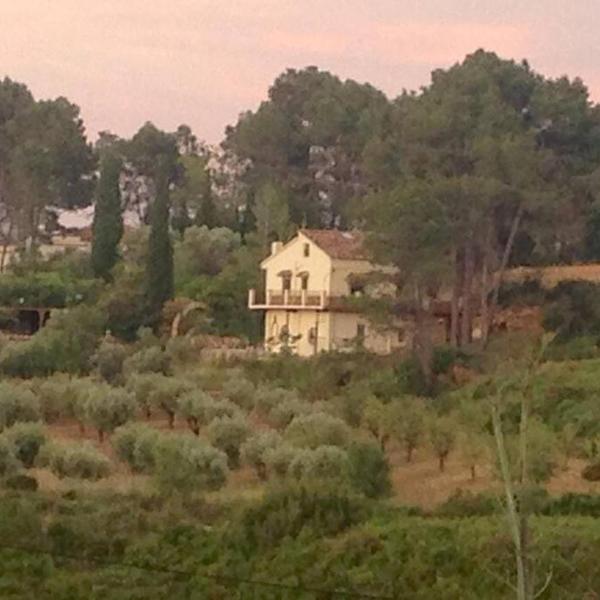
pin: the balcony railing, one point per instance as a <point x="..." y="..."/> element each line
<point x="293" y="300"/>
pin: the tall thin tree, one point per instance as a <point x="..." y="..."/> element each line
<point x="107" y="227"/>
<point x="159" y="270"/>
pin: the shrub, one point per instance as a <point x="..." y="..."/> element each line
<point x="253" y="451"/>
<point x="17" y="403"/>
<point x="317" y="429"/>
<point x="184" y="464"/>
<point x="134" y="444"/>
<point x="287" y="512"/>
<point x="21" y="483"/>
<point x="8" y="461"/>
<point x="279" y="458"/>
<point x="181" y="350"/>
<point x="268" y="398"/>
<point x="325" y="463"/>
<point x="26" y="440"/>
<point x="148" y="360"/>
<point x="109" y="359"/>
<point x="467" y="504"/>
<point x="106" y="408"/>
<point x="228" y="434"/>
<point x="77" y="460"/>
<point x="199" y="408"/>
<point x="369" y="470"/>
<point x="281" y="415"/>
<point x="241" y="391"/>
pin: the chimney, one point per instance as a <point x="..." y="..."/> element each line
<point x="276" y="247"/>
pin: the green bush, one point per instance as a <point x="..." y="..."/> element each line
<point x="21" y="483"/>
<point x="228" y="434"/>
<point x="8" y="460"/>
<point x="185" y="464"/>
<point x="369" y="470"/>
<point x="17" y="403"/>
<point x="253" y="451"/>
<point x="287" y="512"/>
<point x="77" y="460"/>
<point x="135" y="444"/>
<point x="464" y="503"/>
<point x="26" y="439"/>
<point x="317" y="429"/>
<point x="66" y="344"/>
<point x="572" y="309"/>
<point x="148" y="360"/>
<point x="577" y="348"/>
<point x="106" y="408"/>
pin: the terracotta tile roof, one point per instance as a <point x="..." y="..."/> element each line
<point x="342" y="245"/>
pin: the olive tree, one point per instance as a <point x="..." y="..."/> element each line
<point x="241" y="391"/>
<point x="185" y="464"/>
<point x="135" y="444"/>
<point x="409" y="427"/>
<point x="108" y="360"/>
<point x="17" y="403"/>
<point x="199" y="408"/>
<point x="325" y="463"/>
<point x="317" y="429"/>
<point x="106" y="408"/>
<point x="279" y="458"/>
<point x="77" y="460"/>
<point x="442" y="435"/>
<point x="165" y="395"/>
<point x="281" y="415"/>
<point x="228" y="434"/>
<point x="141" y="385"/>
<point x="269" y="397"/>
<point x="253" y="451"/>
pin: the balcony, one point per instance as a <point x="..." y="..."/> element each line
<point x="293" y="300"/>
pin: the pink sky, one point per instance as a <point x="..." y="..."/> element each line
<point x="202" y="62"/>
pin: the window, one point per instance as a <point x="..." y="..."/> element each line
<point x="304" y="282"/>
<point x="357" y="287"/>
<point x="361" y="331"/>
<point x="286" y="282"/>
<point x="306" y="250"/>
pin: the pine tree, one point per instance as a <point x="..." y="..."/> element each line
<point x="159" y="271"/>
<point x="107" y="226"/>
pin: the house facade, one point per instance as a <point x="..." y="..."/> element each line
<point x="308" y="282"/>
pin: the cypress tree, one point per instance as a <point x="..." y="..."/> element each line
<point x="107" y="227"/>
<point x="159" y="270"/>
